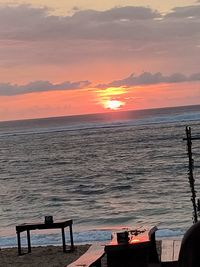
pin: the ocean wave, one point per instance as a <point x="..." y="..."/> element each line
<point x="83" y="237"/>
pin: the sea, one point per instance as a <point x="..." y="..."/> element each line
<point x="103" y="171"/>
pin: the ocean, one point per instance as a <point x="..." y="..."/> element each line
<point x="104" y="171"/>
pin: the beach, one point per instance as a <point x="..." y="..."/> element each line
<point x="46" y="256"/>
<point x="51" y="256"/>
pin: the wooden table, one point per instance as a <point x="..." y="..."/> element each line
<point x="41" y="226"/>
<point x="133" y="253"/>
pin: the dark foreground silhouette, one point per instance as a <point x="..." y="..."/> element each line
<point x="190" y="247"/>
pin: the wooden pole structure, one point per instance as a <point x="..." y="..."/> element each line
<point x="190" y="173"/>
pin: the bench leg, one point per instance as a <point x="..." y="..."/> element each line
<point x="71" y="238"/>
<point x="29" y="241"/>
<point x="63" y="240"/>
<point x="19" y="243"/>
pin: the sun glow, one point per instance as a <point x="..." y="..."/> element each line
<point x="114" y="104"/>
<point x="112" y="97"/>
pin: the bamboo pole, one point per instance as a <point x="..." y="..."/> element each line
<point x="190" y="173"/>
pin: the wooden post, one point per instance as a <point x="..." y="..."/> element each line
<point x="190" y="173"/>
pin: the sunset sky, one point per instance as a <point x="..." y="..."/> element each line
<point x="60" y="58"/>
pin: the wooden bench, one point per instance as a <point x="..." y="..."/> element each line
<point x="91" y="258"/>
<point x="27" y="227"/>
<point x="170" y="252"/>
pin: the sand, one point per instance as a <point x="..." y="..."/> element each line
<point x="51" y="256"/>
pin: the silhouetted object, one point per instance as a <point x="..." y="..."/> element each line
<point x="135" y="252"/>
<point x="48" y="219"/>
<point x="153" y="254"/>
<point x="190" y="172"/>
<point x="190" y="247"/>
<point x="41" y="226"/>
<point x="122" y="238"/>
<point x="198" y="207"/>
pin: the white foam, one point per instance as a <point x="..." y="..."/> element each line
<point x="79" y="237"/>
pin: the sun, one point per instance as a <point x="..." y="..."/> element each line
<point x="114" y="104"/>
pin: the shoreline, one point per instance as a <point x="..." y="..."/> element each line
<point x="42" y="256"/>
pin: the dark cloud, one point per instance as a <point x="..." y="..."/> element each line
<point x="148" y="78"/>
<point x="7" y="89"/>
<point x="123" y="23"/>
<point x="184" y="12"/>
<point x="32" y="36"/>
<point x="128" y="13"/>
<point x="28" y="23"/>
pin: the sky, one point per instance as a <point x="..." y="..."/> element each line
<point x="60" y="58"/>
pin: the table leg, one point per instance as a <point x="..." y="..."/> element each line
<point x="63" y="239"/>
<point x="19" y="243"/>
<point x="71" y="238"/>
<point x="29" y="241"/>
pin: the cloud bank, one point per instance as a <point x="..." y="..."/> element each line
<point x="32" y="35"/>
<point x="35" y="24"/>
<point x="146" y="78"/>
<point x="7" y="89"/>
<point x="132" y="23"/>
